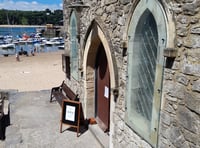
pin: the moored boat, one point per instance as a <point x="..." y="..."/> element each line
<point x="61" y="47"/>
<point x="55" y="41"/>
<point x="7" y="49"/>
<point x="7" y="46"/>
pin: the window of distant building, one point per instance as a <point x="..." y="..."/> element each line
<point x="73" y="46"/>
<point x="147" y="39"/>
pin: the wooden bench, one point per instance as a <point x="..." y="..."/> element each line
<point x="4" y="113"/>
<point x="63" y="92"/>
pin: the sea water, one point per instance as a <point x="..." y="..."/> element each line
<point x="17" y="32"/>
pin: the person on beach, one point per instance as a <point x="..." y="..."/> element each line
<point x="32" y="53"/>
<point x="35" y="49"/>
<point x="23" y="52"/>
<point x="17" y="57"/>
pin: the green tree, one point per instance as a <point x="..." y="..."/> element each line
<point x="17" y="17"/>
<point x="24" y="21"/>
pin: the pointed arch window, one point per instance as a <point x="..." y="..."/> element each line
<point x="147" y="30"/>
<point x="144" y="66"/>
<point x="73" y="46"/>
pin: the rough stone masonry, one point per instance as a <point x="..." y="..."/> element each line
<point x="180" y="103"/>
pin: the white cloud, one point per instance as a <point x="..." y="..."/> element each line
<point x="61" y="5"/>
<point x="22" y="5"/>
<point x="34" y="2"/>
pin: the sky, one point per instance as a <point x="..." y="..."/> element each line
<point x="32" y="5"/>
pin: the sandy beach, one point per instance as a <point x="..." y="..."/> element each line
<point x="40" y="72"/>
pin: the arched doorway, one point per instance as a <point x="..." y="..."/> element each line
<point x="97" y="41"/>
<point x="102" y="91"/>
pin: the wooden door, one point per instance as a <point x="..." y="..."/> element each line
<point x="102" y="90"/>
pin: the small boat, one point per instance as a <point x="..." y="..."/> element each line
<point x="33" y="41"/>
<point x="55" y="41"/>
<point x="61" y="47"/>
<point x="22" y="41"/>
<point x="1" y="37"/>
<point x="8" y="39"/>
<point x="49" y="43"/>
<point x="7" y="49"/>
<point x="7" y="46"/>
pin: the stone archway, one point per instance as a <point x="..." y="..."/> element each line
<point x="94" y="38"/>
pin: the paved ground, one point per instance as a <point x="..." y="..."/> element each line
<point x="35" y="123"/>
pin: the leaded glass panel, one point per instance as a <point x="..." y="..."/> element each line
<point x="147" y="38"/>
<point x="73" y="47"/>
<point x="143" y="71"/>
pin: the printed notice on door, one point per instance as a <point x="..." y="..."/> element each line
<point x="106" y="92"/>
<point x="70" y="113"/>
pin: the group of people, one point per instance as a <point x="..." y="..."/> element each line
<point x="23" y="52"/>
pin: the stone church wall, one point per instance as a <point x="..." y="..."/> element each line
<point x="180" y="115"/>
<point x="180" y="107"/>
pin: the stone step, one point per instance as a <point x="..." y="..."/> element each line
<point x="102" y="137"/>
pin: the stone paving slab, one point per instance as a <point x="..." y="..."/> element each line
<point x="35" y="123"/>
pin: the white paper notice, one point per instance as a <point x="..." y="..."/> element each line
<point x="106" y="92"/>
<point x="70" y="113"/>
